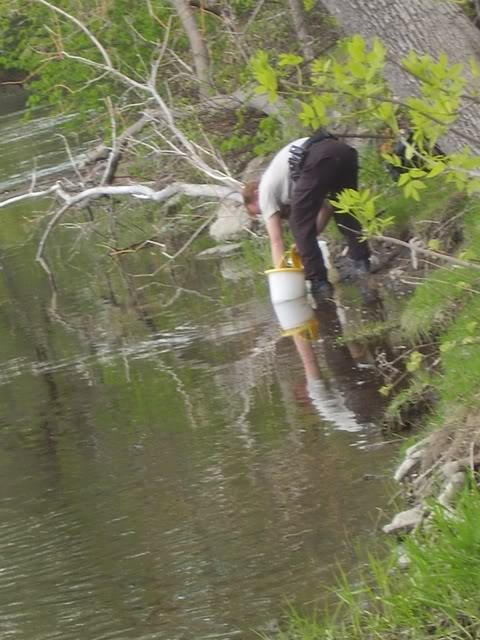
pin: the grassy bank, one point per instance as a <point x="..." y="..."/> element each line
<point x="436" y="597"/>
<point x="436" y="594"/>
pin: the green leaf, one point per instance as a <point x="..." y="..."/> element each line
<point x="320" y="110"/>
<point x="392" y="159"/>
<point x="404" y="178"/>
<point x="418" y="184"/>
<point x="436" y="169"/>
<point x="414" y="361"/>
<point x="417" y="173"/>
<point x="386" y="112"/>
<point x="307" y="115"/>
<point x="378" y="52"/>
<point x="356" y="48"/>
<point x="357" y="68"/>
<point x="289" y="60"/>
<point x="265" y="75"/>
<point x="447" y="346"/>
<point x="409" y="151"/>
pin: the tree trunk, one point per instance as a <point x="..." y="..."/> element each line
<point x="427" y="27"/>
<point x="476" y="6"/>
<point x="197" y="45"/>
<point x="296" y="10"/>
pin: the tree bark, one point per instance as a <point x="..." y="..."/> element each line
<point x="426" y="26"/>
<point x="304" y="40"/>
<point x="476" y="6"/>
<point x="197" y="45"/>
<point x="206" y="6"/>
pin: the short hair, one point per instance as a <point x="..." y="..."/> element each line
<point x="249" y="192"/>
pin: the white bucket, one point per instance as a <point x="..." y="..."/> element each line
<point x="293" y="314"/>
<point x="286" y="284"/>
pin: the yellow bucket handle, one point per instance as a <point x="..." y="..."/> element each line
<point x="309" y="331"/>
<point x="291" y="258"/>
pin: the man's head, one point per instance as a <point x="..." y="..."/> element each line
<point x="250" y="198"/>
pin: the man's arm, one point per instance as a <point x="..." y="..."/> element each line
<point x="323" y="216"/>
<point x="307" y="354"/>
<point x="274" y="230"/>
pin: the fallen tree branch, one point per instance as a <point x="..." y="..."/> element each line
<point x="219" y="192"/>
<point x="415" y="248"/>
<point x="203" y="159"/>
<point x="31" y="194"/>
<point x="147" y="193"/>
<point x="39" y="257"/>
<point x="139" y="191"/>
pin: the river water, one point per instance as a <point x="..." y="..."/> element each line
<point x="166" y="471"/>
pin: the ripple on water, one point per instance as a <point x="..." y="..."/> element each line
<point x="172" y="483"/>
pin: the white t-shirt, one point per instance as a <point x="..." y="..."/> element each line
<point x="274" y="187"/>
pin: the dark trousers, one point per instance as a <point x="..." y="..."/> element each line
<point x="330" y="167"/>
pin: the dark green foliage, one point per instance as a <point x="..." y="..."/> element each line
<point x="33" y="39"/>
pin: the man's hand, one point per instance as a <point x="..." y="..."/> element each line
<point x="274" y="230"/>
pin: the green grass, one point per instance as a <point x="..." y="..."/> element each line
<point x="472" y="229"/>
<point x="460" y="347"/>
<point x="435" y="598"/>
<point x="436" y="300"/>
<point x="415" y="400"/>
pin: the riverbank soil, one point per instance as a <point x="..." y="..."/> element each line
<point x="443" y="332"/>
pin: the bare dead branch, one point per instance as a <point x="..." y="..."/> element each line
<point x="31" y="194"/>
<point x="109" y="169"/>
<point x="139" y="191"/>
<point x="72" y="159"/>
<point x="81" y="26"/>
<point x="253" y="16"/>
<point x="39" y="257"/>
<point x="415" y="248"/>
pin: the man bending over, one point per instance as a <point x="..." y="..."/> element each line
<point x="298" y="191"/>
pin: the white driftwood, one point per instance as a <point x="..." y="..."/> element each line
<point x="405" y="521"/>
<point x="219" y="192"/>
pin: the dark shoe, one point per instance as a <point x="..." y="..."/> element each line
<point x="361" y="267"/>
<point x="321" y="289"/>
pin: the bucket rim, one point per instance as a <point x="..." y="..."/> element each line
<point x="310" y="326"/>
<point x="284" y="269"/>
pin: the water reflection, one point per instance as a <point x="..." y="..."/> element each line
<point x="165" y="473"/>
<point x="317" y="333"/>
